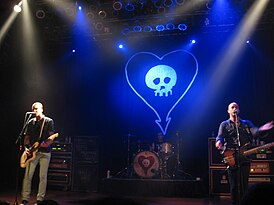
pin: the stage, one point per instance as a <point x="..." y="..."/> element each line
<point x="83" y="198"/>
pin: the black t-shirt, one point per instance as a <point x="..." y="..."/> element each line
<point x="34" y="129"/>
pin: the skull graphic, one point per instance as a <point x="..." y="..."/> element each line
<point x="161" y="79"/>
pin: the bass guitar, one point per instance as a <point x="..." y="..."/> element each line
<point x="229" y="156"/>
<point x="30" y="154"/>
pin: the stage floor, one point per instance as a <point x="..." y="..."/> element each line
<point x="141" y="191"/>
<point x="84" y="198"/>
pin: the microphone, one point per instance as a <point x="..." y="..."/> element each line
<point x="30" y="113"/>
<point x="235" y="112"/>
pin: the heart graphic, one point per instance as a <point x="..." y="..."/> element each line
<point x="175" y="56"/>
<point x="146" y="163"/>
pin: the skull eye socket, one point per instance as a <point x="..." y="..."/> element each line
<point x="156" y="81"/>
<point x="167" y="80"/>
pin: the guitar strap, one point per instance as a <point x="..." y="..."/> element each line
<point x="42" y="127"/>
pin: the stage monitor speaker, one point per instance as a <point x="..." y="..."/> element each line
<point x="218" y="182"/>
<point x="85" y="177"/>
<point x="215" y="158"/>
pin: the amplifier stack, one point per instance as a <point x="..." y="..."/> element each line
<point x="60" y="167"/>
<point x="74" y="164"/>
<point x="261" y="169"/>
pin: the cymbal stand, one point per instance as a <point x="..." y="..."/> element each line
<point x="178" y="164"/>
<point x="178" y="171"/>
<point x="164" y="174"/>
<point x="127" y="172"/>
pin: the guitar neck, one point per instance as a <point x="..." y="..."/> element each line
<point x="256" y="149"/>
<point x="36" y="145"/>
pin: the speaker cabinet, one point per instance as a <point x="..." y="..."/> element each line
<point x="214" y="156"/>
<point x="85" y="177"/>
<point x="219" y="184"/>
<point x="85" y="164"/>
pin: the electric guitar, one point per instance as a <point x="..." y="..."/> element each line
<point x="229" y="156"/>
<point x="27" y="158"/>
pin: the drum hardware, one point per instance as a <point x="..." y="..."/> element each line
<point x="178" y="171"/>
<point x="165" y="152"/>
<point x="127" y="171"/>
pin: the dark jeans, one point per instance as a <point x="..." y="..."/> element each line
<point x="238" y="179"/>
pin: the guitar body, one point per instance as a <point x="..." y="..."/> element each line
<point x="26" y="158"/>
<point x="229" y="158"/>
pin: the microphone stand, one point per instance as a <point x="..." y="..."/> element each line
<point x="237" y="161"/>
<point x="19" y="142"/>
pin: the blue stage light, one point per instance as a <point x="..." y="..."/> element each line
<point x="121" y="46"/>
<point x="193" y="41"/>
<point x="147" y="28"/>
<point x="160" y="27"/>
<point x="170" y="26"/>
<point x="182" y="26"/>
<point x="79" y="8"/>
<point x="137" y="28"/>
<point x="73" y="50"/>
<point x="129" y="7"/>
<point x="247" y="41"/>
<point x="125" y="31"/>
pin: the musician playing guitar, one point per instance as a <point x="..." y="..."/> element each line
<point x="39" y="132"/>
<point x="235" y="135"/>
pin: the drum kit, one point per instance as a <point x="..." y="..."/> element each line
<point x="145" y="162"/>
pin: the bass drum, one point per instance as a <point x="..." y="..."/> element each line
<point x="146" y="164"/>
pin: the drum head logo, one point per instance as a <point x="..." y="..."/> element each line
<point x="161" y="82"/>
<point x="146" y="164"/>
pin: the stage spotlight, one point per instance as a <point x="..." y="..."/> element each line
<point x="168" y="3"/>
<point x="121" y="46"/>
<point x="73" y="50"/>
<point x="157" y="3"/>
<point x="90" y="15"/>
<point x="117" y="5"/>
<point x="102" y="14"/>
<point x="17" y="8"/>
<point x="247" y="41"/>
<point x="40" y="14"/>
<point x="182" y="26"/>
<point x="147" y="28"/>
<point x="79" y="8"/>
<point x="70" y="11"/>
<point x="137" y="28"/>
<point x="129" y="7"/>
<point x="179" y="2"/>
<point x="170" y="26"/>
<point x="193" y="41"/>
<point x="160" y="27"/>
<point x="125" y="31"/>
<point x="99" y="26"/>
